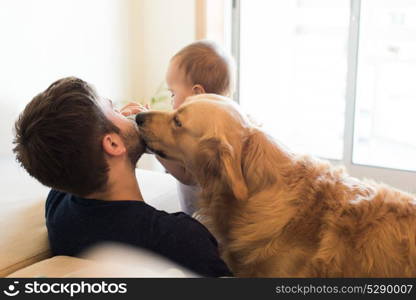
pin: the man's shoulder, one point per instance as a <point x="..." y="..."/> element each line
<point x="54" y="193"/>
<point x="190" y="244"/>
<point x="162" y="223"/>
<point x="182" y="226"/>
<point x="58" y="200"/>
<point x="53" y="198"/>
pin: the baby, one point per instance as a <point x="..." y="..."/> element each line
<point x="199" y="68"/>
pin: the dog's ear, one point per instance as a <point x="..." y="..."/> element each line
<point x="207" y="164"/>
<point x="231" y="162"/>
<point x="218" y="160"/>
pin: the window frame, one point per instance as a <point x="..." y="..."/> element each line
<point x="398" y="178"/>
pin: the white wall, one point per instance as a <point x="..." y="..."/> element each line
<point x="165" y="26"/>
<point x="44" y="40"/>
<point x="121" y="46"/>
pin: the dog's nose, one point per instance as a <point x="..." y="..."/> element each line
<point x="140" y="118"/>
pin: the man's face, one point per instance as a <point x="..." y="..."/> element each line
<point x="128" y="130"/>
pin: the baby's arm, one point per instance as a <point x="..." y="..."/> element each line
<point x="133" y="108"/>
<point x="177" y="170"/>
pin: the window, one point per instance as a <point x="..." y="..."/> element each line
<point x="385" y="109"/>
<point x="293" y="74"/>
<point x="334" y="79"/>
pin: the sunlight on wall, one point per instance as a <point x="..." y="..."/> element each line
<point x="164" y="28"/>
<point x="121" y="46"/>
<point x="45" y="40"/>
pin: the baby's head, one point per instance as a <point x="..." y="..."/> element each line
<point x="201" y="67"/>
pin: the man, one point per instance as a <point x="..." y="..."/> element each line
<point x="77" y="143"/>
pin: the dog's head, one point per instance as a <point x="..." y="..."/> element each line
<point x="206" y="134"/>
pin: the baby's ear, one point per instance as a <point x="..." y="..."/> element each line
<point x="198" y="89"/>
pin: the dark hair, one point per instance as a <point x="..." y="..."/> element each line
<point x="205" y="63"/>
<point x="58" y="138"/>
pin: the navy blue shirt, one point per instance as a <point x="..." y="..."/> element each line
<point x="75" y="224"/>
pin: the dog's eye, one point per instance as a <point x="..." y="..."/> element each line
<point x="177" y="122"/>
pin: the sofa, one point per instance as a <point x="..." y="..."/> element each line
<point x="24" y="250"/>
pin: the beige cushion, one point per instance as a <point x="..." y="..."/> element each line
<point x="57" y="266"/>
<point x="23" y="239"/>
<point x="159" y="190"/>
<point x="22" y="219"/>
<point x="67" y="266"/>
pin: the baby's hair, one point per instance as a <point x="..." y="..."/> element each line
<point x="205" y="63"/>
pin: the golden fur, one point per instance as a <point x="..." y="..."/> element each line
<point x="278" y="214"/>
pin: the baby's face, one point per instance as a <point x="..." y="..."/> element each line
<point x="178" y="84"/>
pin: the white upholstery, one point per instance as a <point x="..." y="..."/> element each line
<point x="57" y="266"/>
<point x="106" y="260"/>
<point x="22" y="223"/>
<point x="159" y="190"/>
<point x="67" y="266"/>
<point x="23" y="233"/>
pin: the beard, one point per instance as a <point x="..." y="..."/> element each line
<point x="134" y="144"/>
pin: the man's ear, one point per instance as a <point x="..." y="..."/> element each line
<point x="113" y="145"/>
<point x="217" y="158"/>
<point x="198" y="89"/>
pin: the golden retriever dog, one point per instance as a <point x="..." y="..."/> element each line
<point x="278" y="214"/>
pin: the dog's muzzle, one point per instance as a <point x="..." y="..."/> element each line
<point x="140" y="121"/>
<point x="141" y="118"/>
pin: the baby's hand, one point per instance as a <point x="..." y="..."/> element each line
<point x="134" y="108"/>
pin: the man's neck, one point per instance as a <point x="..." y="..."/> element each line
<point x="122" y="185"/>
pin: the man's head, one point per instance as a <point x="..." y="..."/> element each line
<point x="201" y="67"/>
<point x="68" y="136"/>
